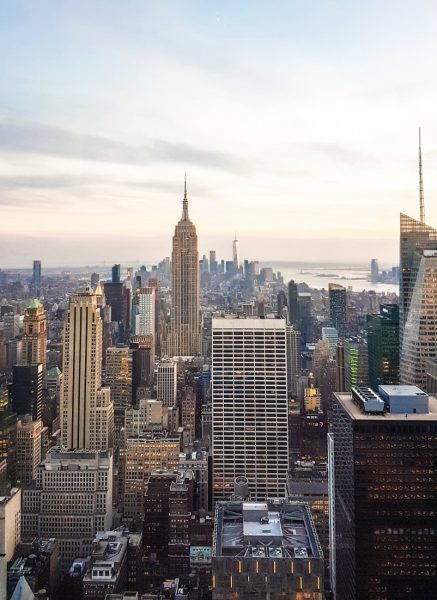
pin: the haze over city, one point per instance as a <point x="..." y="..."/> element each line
<point x="296" y="124"/>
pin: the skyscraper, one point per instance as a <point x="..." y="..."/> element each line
<point x="34" y="335"/>
<point x="143" y="311"/>
<point x="382" y="470"/>
<point x="166" y="384"/>
<point x="337" y="308"/>
<point x="293" y="310"/>
<point x="81" y="408"/>
<point x="374" y="270"/>
<point x="185" y="336"/>
<point x="249" y="404"/>
<point x="26" y="390"/>
<point x="293" y="358"/>
<point x="383" y="346"/>
<point x="236" y="254"/>
<point x="36" y="278"/>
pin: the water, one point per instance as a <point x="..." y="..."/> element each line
<point x="353" y="276"/>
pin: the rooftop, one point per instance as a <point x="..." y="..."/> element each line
<point x="265" y="530"/>
<point x="355" y="412"/>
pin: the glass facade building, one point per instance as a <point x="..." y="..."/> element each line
<point x="337" y="308"/>
<point x="383" y="499"/>
<point x="383" y="346"/>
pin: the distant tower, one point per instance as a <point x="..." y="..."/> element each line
<point x="374" y="270"/>
<point x="337" y="308"/>
<point x="34" y="334"/>
<point x="236" y="254"/>
<point x="36" y="278"/>
<point x="185" y="337"/>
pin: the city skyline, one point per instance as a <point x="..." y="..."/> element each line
<point x="288" y="123"/>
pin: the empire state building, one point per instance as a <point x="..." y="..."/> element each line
<point x="185" y="337"/>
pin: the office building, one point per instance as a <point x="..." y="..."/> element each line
<point x="293" y="310"/>
<point x="34" y="340"/>
<point x="196" y="460"/>
<point x="213" y="264"/>
<point x="8" y="432"/>
<point x="270" y="548"/>
<point x="374" y="270"/>
<point x="36" y="278"/>
<point x="419" y="342"/>
<point x="185" y="334"/>
<point x="356" y="370"/>
<point x="294" y="362"/>
<point x="330" y="335"/>
<point x="143" y="311"/>
<point x="107" y="570"/>
<point x="26" y="390"/>
<point x="137" y="419"/>
<point x="180" y="509"/>
<point x="11" y="326"/>
<point x="305" y="317"/>
<point x="249" y="406"/>
<point x="166" y="383"/>
<point x="188" y="407"/>
<point x="382" y="469"/>
<point x="84" y="409"/>
<point x="337" y="308"/>
<point x="71" y="501"/>
<point x="118" y="376"/>
<point x="383" y="346"/>
<point x="29" y="434"/>
<point x="236" y="254"/>
<point x="143" y="455"/>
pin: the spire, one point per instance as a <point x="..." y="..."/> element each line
<point x="421" y="195"/>
<point x="185" y="202"/>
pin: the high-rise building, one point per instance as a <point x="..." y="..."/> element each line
<point x="294" y="362"/>
<point x="108" y="567"/>
<point x="236" y="254"/>
<point x="337" y="308"/>
<point x="374" y="270"/>
<point x="249" y="403"/>
<point x="8" y="431"/>
<point x="382" y="469"/>
<point x="10" y="526"/>
<point x="266" y="550"/>
<point x="72" y="501"/>
<point x="118" y="375"/>
<point x="143" y="455"/>
<point x="36" y="278"/>
<point x="116" y="272"/>
<point x="185" y="335"/>
<point x="340" y="383"/>
<point x="330" y="335"/>
<point x="213" y="264"/>
<point x="415" y="236"/>
<point x="34" y="341"/>
<point x="26" y="390"/>
<point x="383" y="346"/>
<point x="419" y="343"/>
<point x="82" y="410"/>
<point x="188" y="410"/>
<point x="28" y="449"/>
<point x="293" y="308"/>
<point x="355" y="363"/>
<point x="143" y="311"/>
<point x="166" y="384"/>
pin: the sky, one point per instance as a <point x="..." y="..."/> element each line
<point x="295" y="121"/>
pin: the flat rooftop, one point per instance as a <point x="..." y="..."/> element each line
<point x="274" y="529"/>
<point x="247" y="323"/>
<point x="355" y="412"/>
<point x="402" y="390"/>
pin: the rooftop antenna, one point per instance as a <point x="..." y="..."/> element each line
<point x="421" y="195"/>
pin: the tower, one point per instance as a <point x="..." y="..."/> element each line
<point x="34" y="335"/>
<point x="337" y="308"/>
<point x="36" y="278"/>
<point x="185" y="338"/>
<point x="82" y="408"/>
<point x="236" y="254"/>
<point x="249" y="406"/>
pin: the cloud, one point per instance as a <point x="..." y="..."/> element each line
<point x="44" y="181"/>
<point x="38" y="138"/>
<point x="341" y="154"/>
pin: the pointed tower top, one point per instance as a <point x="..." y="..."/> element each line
<point x="185" y="202"/>
<point x="421" y="194"/>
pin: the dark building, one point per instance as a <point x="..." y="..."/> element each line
<point x="282" y="302"/>
<point x="36" y="278"/>
<point x="114" y="297"/>
<point x="383" y="494"/>
<point x="383" y="346"/>
<point x="38" y="562"/>
<point x="180" y="510"/>
<point x="293" y="311"/>
<point x="337" y="308"/>
<point x="8" y="432"/>
<point x="26" y="390"/>
<point x="305" y="317"/>
<point x="116" y="273"/>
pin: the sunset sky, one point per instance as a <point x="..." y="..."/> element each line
<point x="296" y="122"/>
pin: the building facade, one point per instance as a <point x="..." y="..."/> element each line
<point x="249" y="406"/>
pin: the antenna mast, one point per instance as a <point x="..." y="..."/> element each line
<point x="421" y="195"/>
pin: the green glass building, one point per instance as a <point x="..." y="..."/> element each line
<point x="383" y="346"/>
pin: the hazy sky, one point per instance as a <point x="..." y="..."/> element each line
<point x="296" y="122"/>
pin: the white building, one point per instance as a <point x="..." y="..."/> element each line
<point x="249" y="406"/>
<point x="166" y="386"/>
<point x="72" y="501"/>
<point x="144" y="311"/>
<point x="294" y="361"/>
<point x="28" y="448"/>
<point x="10" y="533"/>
